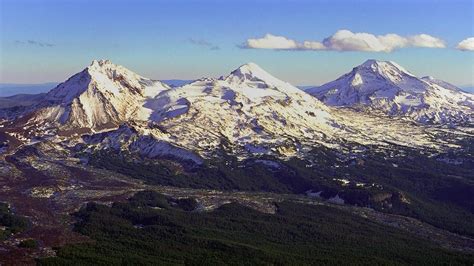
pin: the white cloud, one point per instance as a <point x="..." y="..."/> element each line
<point x="270" y="41"/>
<point x="392" y="41"/>
<point x="345" y="40"/>
<point x="466" y="45"/>
<point x="425" y="40"/>
<point x="312" y="45"/>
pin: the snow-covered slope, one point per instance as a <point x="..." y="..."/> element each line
<point x="246" y="113"/>
<point x="388" y="87"/>
<point x="441" y="83"/>
<point x="101" y="96"/>
<point x="248" y="108"/>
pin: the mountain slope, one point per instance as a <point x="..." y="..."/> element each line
<point x="103" y="95"/>
<point x="388" y="87"/>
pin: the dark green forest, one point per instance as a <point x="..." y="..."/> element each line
<point x="152" y="229"/>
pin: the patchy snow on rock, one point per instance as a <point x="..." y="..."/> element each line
<point x="42" y="192"/>
<point x="342" y="181"/>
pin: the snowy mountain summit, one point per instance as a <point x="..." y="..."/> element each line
<point x="254" y="76"/>
<point x="388" y="87"/>
<point x="103" y="95"/>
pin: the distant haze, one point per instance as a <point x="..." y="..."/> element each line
<point x="468" y="89"/>
<point x="9" y="89"/>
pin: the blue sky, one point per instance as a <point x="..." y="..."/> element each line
<point x="43" y="41"/>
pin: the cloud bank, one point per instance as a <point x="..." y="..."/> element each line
<point x="466" y="45"/>
<point x="345" y="40"/>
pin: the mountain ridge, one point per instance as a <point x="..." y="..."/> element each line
<point x="247" y="113"/>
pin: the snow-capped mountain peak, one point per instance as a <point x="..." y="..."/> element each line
<point x="386" y="86"/>
<point x="107" y="78"/>
<point x="102" y="95"/>
<point x="251" y="76"/>
<point x="383" y="67"/>
<point x="100" y="63"/>
<point x="105" y="71"/>
<point x="248" y="108"/>
<point x="250" y="71"/>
